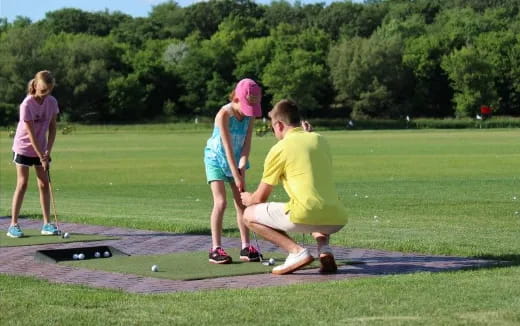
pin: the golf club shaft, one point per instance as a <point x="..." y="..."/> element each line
<point x="259" y="250"/>
<point x="52" y="199"/>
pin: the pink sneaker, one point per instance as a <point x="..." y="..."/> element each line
<point x="219" y="256"/>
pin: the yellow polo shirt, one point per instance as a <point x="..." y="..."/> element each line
<point x="302" y="161"/>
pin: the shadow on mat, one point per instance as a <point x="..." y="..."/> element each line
<point x="207" y="231"/>
<point x="503" y="260"/>
<point x="226" y="232"/>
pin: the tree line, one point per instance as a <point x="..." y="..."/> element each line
<point x="377" y="59"/>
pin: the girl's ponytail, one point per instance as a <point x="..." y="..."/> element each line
<point x="31" y="87"/>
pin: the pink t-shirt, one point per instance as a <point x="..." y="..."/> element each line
<point x="41" y="115"/>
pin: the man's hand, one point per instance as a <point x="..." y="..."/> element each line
<point x="246" y="198"/>
<point x="306" y="125"/>
<point x="259" y="196"/>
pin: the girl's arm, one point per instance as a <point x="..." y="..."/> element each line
<point x="32" y="138"/>
<point x="247" y="146"/>
<point x="52" y="135"/>
<point x="222" y="121"/>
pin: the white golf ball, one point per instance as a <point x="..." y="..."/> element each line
<point x="155" y="268"/>
<point x="75" y="257"/>
<point x="97" y="254"/>
<point x="66" y="235"/>
<point x="81" y="256"/>
<point x="106" y="254"/>
<point x="271" y="261"/>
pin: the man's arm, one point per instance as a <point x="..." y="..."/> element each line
<point x="259" y="196"/>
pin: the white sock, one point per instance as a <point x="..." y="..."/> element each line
<point x="245" y="245"/>
<point x="324" y="249"/>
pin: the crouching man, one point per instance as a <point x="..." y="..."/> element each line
<point x="302" y="161"/>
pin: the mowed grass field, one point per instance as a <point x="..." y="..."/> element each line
<point x="453" y="192"/>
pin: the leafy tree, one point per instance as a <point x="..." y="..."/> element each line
<point x="170" y="19"/>
<point x="75" y="21"/>
<point x="135" y="32"/>
<point x="4" y="25"/>
<point x="159" y="84"/>
<point x="366" y="22"/>
<point x="282" y="11"/>
<point x="500" y="50"/>
<point x="379" y="58"/>
<point x="369" y="75"/>
<point x="402" y="10"/>
<point x="22" y="22"/>
<point x="195" y="69"/>
<point x="298" y="69"/>
<point x="205" y="17"/>
<point x="472" y="79"/>
<point x="209" y="64"/>
<point x="339" y="16"/>
<point x="254" y="56"/>
<point x="127" y="98"/>
<point x="20" y="59"/>
<point x="83" y="65"/>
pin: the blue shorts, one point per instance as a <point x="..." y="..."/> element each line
<point x="215" y="173"/>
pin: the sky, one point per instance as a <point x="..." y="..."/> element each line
<point x="36" y="9"/>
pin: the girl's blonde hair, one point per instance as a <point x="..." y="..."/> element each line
<point x="231" y="95"/>
<point x="43" y="76"/>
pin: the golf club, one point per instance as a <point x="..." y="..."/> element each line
<point x="53" y="202"/>
<point x="259" y="251"/>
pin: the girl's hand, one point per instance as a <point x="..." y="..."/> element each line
<point x="242" y="171"/>
<point x="45" y="161"/>
<point x="240" y="183"/>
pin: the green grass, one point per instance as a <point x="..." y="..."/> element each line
<point x="429" y="191"/>
<point x="33" y="237"/>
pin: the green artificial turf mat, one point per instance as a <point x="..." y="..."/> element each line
<point x="183" y="266"/>
<point x="33" y="237"/>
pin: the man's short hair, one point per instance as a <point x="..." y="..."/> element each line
<point x="287" y="112"/>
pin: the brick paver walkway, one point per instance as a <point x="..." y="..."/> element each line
<point x="21" y="261"/>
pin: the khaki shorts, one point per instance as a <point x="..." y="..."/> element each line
<point x="273" y="215"/>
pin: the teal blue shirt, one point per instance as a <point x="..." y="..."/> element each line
<point x="215" y="154"/>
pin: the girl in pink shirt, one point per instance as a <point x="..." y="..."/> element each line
<point x="32" y="146"/>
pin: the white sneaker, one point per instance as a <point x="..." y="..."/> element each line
<point x="294" y="262"/>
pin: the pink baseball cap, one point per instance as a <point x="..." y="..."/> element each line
<point x="250" y="96"/>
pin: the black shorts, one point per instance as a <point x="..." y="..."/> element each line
<point x="26" y="160"/>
